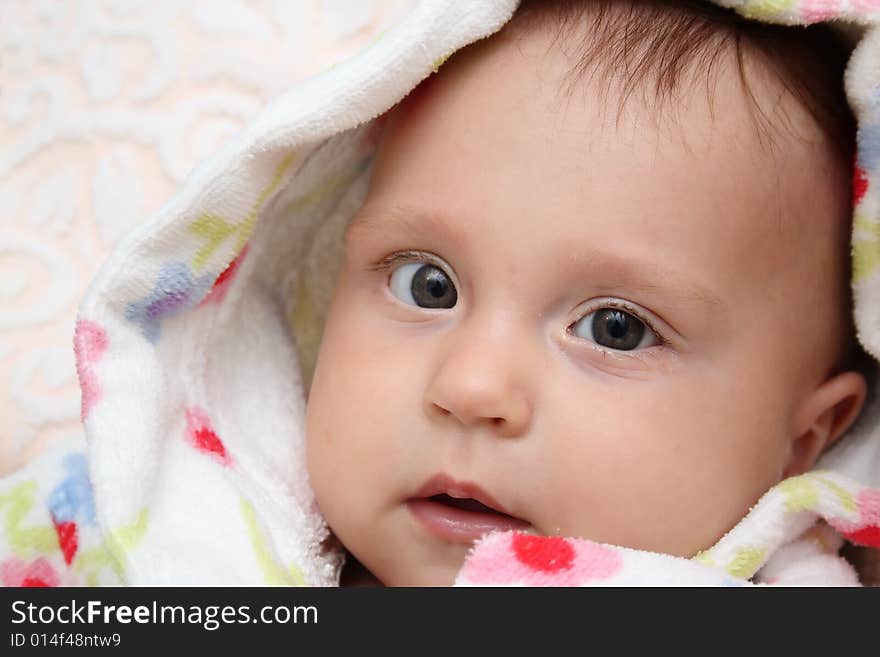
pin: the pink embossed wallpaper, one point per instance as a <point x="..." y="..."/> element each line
<point x="105" y="106"/>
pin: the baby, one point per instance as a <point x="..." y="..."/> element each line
<point x="591" y="322"/>
<point x="598" y="289"/>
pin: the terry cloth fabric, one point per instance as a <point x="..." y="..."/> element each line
<point x="197" y="338"/>
<point x="790" y="537"/>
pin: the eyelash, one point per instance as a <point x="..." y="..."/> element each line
<point x="404" y="257"/>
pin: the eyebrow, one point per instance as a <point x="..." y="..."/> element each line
<point x="624" y="272"/>
<point x="398" y="219"/>
<point x="640" y="275"/>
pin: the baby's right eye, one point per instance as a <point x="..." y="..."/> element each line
<point x="423" y="285"/>
<point x="615" y="329"/>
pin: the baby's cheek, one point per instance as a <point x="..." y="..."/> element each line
<point x="667" y="466"/>
<point x="720" y="458"/>
<point x="334" y="475"/>
<point x="351" y="423"/>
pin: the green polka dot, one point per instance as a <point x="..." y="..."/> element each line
<point x="216" y="230"/>
<point x="866" y="248"/>
<point x="439" y="62"/>
<point x="25" y="541"/>
<point x="705" y="558"/>
<point x="846" y="499"/>
<point x="273" y="573"/>
<point x="765" y="9"/>
<point x="800" y="494"/>
<point x="128" y="536"/>
<point x="745" y="562"/>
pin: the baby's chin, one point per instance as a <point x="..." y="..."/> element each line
<point x="436" y="575"/>
<point x="417" y="568"/>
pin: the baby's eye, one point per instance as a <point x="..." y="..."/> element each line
<point x="615" y="329"/>
<point x="423" y="285"/>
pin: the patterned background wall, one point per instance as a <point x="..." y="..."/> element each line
<point x="105" y="106"/>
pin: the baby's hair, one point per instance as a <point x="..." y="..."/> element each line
<point x="662" y="45"/>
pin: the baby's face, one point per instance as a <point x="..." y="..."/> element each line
<point x="604" y="326"/>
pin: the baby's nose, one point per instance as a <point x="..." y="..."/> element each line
<point x="483" y="379"/>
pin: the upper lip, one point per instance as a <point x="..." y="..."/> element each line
<point x="443" y="484"/>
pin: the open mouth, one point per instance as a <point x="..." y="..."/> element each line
<point x="465" y="504"/>
<point x="446" y="509"/>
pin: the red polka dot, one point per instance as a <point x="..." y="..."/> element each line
<point x="548" y="554"/>
<point x="202" y="436"/>
<point x="224" y="280"/>
<point x="67" y="539"/>
<point x="869" y="536"/>
<point x="35" y="582"/>
<point x="860" y="184"/>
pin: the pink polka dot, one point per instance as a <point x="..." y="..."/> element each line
<point x="523" y="559"/>
<point x="869" y="505"/>
<point x="866" y="6"/>
<point x="866" y="530"/>
<point x="869" y="518"/>
<point x="89" y="345"/>
<point x="815" y="11"/>
<point x="37" y="573"/>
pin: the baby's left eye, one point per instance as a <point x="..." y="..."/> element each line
<point x="424" y="285"/>
<point x="614" y="328"/>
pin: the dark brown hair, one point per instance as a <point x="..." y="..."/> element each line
<point x="660" y="45"/>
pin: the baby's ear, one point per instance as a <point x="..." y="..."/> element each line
<point x="824" y="416"/>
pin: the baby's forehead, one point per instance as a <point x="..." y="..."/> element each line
<point x="527" y="71"/>
<point x="658" y="52"/>
<point x="685" y="73"/>
<point x="490" y="135"/>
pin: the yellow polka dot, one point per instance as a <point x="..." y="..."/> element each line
<point x="745" y="562"/>
<point x="764" y="9"/>
<point x="704" y="558"/>
<point x="846" y="499"/>
<point x="800" y="494"/>
<point x="439" y="62"/>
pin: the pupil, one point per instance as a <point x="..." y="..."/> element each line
<point x="436" y="288"/>
<point x="431" y="288"/>
<point x="617" y="329"/>
<point x="617" y="324"/>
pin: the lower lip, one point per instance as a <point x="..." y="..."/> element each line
<point x="457" y="525"/>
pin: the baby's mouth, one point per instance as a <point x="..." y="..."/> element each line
<point x="465" y="504"/>
<point x="445" y="508"/>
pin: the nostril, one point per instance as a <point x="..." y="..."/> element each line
<point x="442" y="411"/>
<point x="497" y="421"/>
